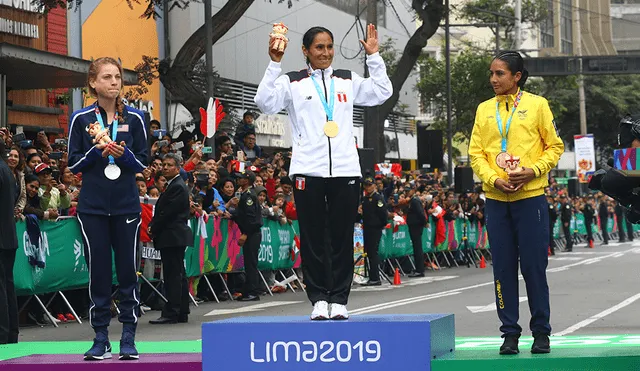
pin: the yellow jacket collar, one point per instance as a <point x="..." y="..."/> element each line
<point x="511" y="97"/>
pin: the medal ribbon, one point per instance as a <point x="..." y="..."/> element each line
<point x="499" y="119"/>
<point x="328" y="107"/>
<point x="114" y="129"/>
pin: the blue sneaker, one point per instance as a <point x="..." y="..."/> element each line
<point x="100" y="350"/>
<point x="128" y="349"/>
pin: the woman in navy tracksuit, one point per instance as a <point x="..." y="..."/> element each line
<point x="109" y="207"/>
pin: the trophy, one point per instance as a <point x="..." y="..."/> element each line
<point x="278" y="33"/>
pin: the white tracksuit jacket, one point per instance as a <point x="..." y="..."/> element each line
<point x="315" y="154"/>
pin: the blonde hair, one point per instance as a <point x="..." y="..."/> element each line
<point x="92" y="75"/>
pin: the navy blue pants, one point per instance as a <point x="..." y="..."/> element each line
<point x="520" y="229"/>
<point x="101" y="234"/>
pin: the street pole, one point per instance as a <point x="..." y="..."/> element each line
<point x="518" y="25"/>
<point x="581" y="96"/>
<point x="447" y="42"/>
<point x="208" y="28"/>
<point x="373" y="130"/>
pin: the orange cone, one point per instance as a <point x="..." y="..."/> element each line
<point x="549" y="251"/>
<point x="591" y="244"/>
<point x="396" y="277"/>
<point x="483" y="264"/>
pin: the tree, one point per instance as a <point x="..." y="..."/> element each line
<point x="430" y="13"/>
<point x="533" y="11"/>
<point x="469" y="87"/>
<point x="608" y="99"/>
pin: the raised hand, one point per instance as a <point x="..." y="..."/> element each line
<point x="371" y="43"/>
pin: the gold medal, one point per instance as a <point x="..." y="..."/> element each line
<point x="331" y="129"/>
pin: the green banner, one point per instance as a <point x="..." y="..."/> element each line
<point x="215" y="249"/>
<point x="65" y="267"/>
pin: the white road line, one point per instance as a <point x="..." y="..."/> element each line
<point x="598" y="316"/>
<point x="398" y="303"/>
<point x="250" y="308"/>
<point x="416" y="299"/>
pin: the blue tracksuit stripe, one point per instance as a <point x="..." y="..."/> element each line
<point x="520" y="231"/>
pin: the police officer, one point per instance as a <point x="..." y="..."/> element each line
<point x="565" y="218"/>
<point x="417" y="220"/>
<point x="553" y="217"/>
<point x="603" y="213"/>
<point x="374" y="216"/>
<point x="248" y="216"/>
<point x="589" y="212"/>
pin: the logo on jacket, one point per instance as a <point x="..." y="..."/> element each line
<point x="308" y="97"/>
<point x="342" y="97"/>
<point x="522" y="114"/>
<point x="300" y="183"/>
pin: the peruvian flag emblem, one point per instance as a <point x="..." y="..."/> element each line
<point x="342" y="97"/>
<point x="300" y="183"/>
<point x="211" y="117"/>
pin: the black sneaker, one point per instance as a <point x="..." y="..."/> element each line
<point x="510" y="345"/>
<point x="540" y="344"/>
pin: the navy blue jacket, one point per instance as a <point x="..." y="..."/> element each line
<point x="99" y="195"/>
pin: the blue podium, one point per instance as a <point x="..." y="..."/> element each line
<point x="372" y="343"/>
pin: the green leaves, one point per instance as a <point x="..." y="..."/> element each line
<point x="469" y="87"/>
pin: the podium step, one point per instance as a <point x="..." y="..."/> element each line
<point x="561" y="359"/>
<point x="371" y="342"/>
<point x="74" y="362"/>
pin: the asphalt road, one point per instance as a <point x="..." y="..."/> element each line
<point x="593" y="291"/>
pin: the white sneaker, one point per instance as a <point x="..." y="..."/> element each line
<point x="320" y="311"/>
<point x="339" y="311"/>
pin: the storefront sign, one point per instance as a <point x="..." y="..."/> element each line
<point x="25" y="5"/>
<point x="19" y="28"/>
<point x="270" y="124"/>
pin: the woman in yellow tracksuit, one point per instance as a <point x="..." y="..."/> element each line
<point x="513" y="146"/>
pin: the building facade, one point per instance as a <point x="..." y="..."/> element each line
<point x="626" y="26"/>
<point x="558" y="34"/>
<point x="32" y="110"/>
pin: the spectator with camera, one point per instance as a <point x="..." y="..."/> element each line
<point x="52" y="194"/>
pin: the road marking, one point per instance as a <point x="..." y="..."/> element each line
<point x="416" y="299"/>
<point x="398" y="303"/>
<point x="598" y="316"/>
<point x="407" y="282"/>
<point x="250" y="308"/>
<point x="489" y="307"/>
<point x="565" y="259"/>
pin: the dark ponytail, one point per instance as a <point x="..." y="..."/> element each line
<point x="310" y="35"/>
<point x="515" y="63"/>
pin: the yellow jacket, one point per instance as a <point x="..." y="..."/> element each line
<point x="532" y="137"/>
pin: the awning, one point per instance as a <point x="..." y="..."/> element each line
<point x="27" y="68"/>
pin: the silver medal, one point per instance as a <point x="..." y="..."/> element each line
<point x="112" y="172"/>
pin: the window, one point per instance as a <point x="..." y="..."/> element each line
<point x="547" y="28"/>
<point x="566" y="27"/>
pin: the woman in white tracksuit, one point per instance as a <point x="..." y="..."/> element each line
<point x="324" y="166"/>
